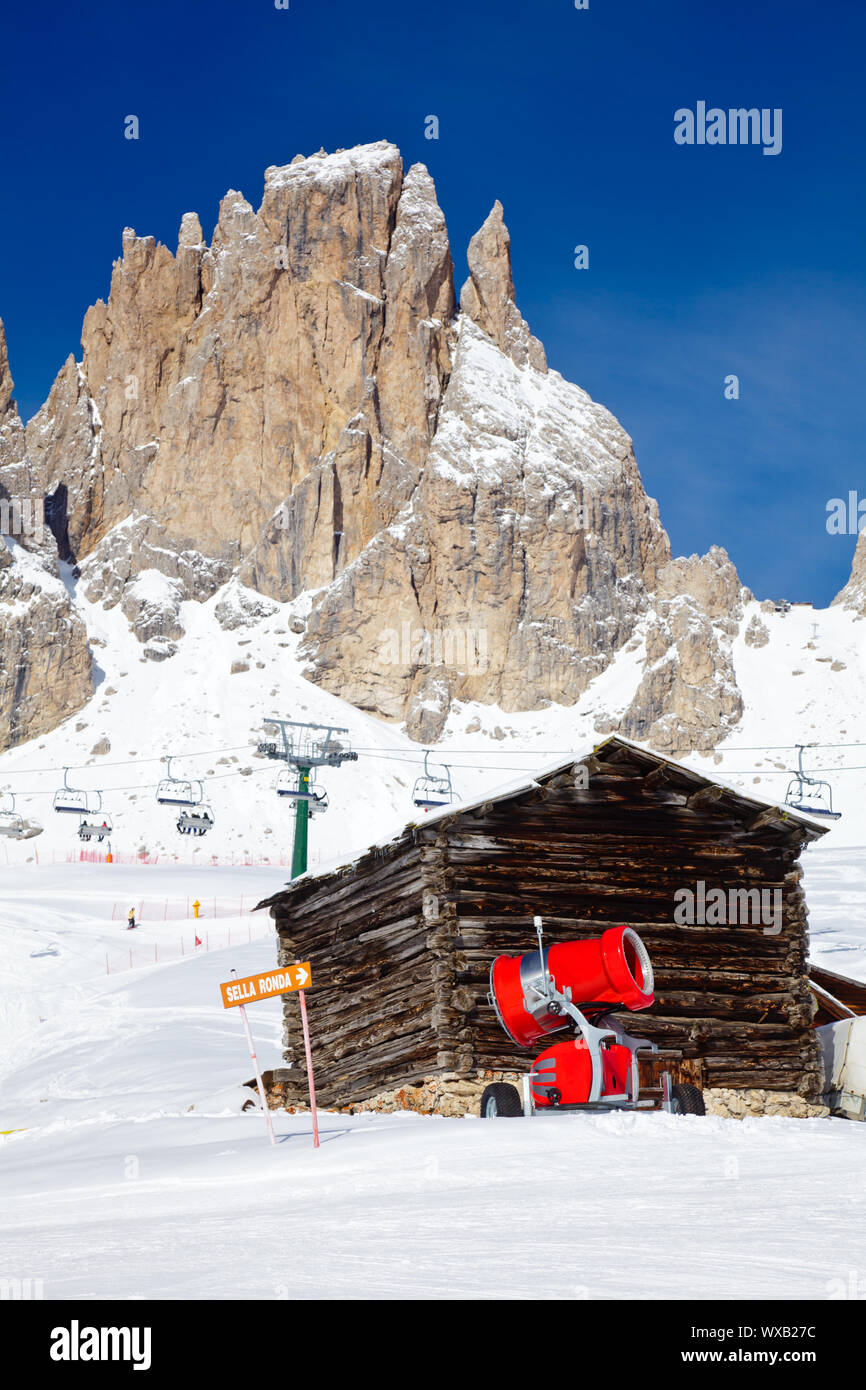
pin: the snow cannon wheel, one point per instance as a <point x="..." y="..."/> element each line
<point x="500" y="1100"/>
<point x="687" y="1099"/>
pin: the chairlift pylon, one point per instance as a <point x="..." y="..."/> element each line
<point x="433" y="789"/>
<point x="179" y="791"/>
<point x="307" y="745"/>
<point x="812" y="796"/>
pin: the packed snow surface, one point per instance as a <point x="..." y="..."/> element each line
<point x="132" y="1170"/>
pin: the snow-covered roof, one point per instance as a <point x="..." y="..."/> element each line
<point x="522" y="784"/>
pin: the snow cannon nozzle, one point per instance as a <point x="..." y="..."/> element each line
<point x="532" y="994"/>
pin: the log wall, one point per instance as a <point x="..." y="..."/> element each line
<point x="401" y="943"/>
<point x="372" y="1003"/>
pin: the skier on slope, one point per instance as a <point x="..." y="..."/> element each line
<point x="130" y="919"/>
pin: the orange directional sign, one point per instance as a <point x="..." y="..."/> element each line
<point x="254" y="987"/>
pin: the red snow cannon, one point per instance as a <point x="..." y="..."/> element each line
<point x="582" y="985"/>
<point x="565" y="1073"/>
<point x="612" y="970"/>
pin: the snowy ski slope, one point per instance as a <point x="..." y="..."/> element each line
<point x="132" y="1171"/>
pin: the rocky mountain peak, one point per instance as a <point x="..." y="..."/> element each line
<point x="301" y="410"/>
<point x="7" y="404"/>
<point x="488" y="297"/>
<point x="190" y="236"/>
<point x="853" y="595"/>
<point x="45" y="672"/>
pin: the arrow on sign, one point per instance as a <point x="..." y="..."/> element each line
<point x="303" y="976"/>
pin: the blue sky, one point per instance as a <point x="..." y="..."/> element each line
<point x="704" y="261"/>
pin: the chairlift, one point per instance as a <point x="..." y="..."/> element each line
<point x="319" y="804"/>
<point x="810" y="795"/>
<point x="195" y="822"/>
<point x="93" y="829"/>
<point x="307" y="745"/>
<point x="74" y="801"/>
<point x="178" y="791"/>
<point x="11" y="824"/>
<point x="433" y="789"/>
<point x="287" y="785"/>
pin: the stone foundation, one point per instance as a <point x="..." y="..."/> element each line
<point x="450" y="1094"/>
<point x="454" y="1096"/>
<point x="739" y="1105"/>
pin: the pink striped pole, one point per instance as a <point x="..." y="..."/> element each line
<point x="310" y="1081"/>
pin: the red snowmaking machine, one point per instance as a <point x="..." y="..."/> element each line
<point x="579" y="985"/>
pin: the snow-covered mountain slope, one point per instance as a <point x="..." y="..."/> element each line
<point x="799" y="686"/>
<point x="132" y="1172"/>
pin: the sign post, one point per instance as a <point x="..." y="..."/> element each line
<point x="259" y="1083"/>
<point x="310" y="1081"/>
<point x="287" y="979"/>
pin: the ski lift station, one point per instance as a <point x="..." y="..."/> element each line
<point x="403" y="936"/>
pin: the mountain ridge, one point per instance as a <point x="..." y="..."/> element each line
<point x="305" y="409"/>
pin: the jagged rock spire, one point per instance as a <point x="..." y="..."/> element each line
<point x="853" y="595"/>
<point x="7" y="404"/>
<point x="487" y="296"/>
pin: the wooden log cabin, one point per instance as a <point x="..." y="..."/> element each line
<point x="402" y="938"/>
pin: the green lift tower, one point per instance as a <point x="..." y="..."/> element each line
<point x="304" y="748"/>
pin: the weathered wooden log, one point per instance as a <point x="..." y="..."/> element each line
<point x="402" y="940"/>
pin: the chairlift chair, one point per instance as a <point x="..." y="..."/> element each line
<point x="812" y="796"/>
<point x="197" y="821"/>
<point x="433" y="789"/>
<point x="93" y="829"/>
<point x="74" y="801"/>
<point x="178" y="791"/>
<point x="11" y="824"/>
<point x="286" y="785"/>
